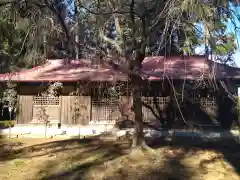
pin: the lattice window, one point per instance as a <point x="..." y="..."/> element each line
<point x="193" y="95"/>
<point x="45" y="100"/>
<point x="105" y="109"/>
<point x="147" y="114"/>
<point x="51" y="106"/>
<point x="208" y="104"/>
<point x="161" y="101"/>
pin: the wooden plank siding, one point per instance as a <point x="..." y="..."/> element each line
<point x="80" y="109"/>
<point x="65" y="110"/>
<point x="51" y="106"/>
<point x="125" y="107"/>
<point x="71" y="114"/>
<point x="148" y="116"/>
<point x="24" y="109"/>
<point x="105" y="109"/>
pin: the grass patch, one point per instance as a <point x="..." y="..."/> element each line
<point x="7" y="124"/>
<point x="42" y="174"/>
<point x="19" y="163"/>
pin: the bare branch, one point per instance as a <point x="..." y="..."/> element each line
<point x="161" y="15"/>
<point x="24" y="41"/>
<point x="53" y="7"/>
<point x="106" y="13"/>
<point x="110" y="41"/>
<point x="117" y="24"/>
<point x="7" y="2"/>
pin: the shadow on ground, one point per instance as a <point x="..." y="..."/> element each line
<point x="227" y="148"/>
<point x="117" y="163"/>
<point x="16" y="149"/>
<point x="101" y="158"/>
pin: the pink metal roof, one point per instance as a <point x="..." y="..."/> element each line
<point x="154" y="68"/>
<point x="64" y="70"/>
<point x="189" y="67"/>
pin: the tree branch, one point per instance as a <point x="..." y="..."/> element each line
<point x="19" y="1"/>
<point x="158" y="18"/>
<point x="106" y="13"/>
<point x="110" y="41"/>
<point x="53" y="7"/>
<point x="151" y="109"/>
<point x="7" y="2"/>
<point x="24" y="41"/>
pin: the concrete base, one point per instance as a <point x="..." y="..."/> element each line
<point x="64" y="131"/>
<point x="40" y="131"/>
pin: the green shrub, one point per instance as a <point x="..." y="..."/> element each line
<point x="238" y="108"/>
<point x="7" y="124"/>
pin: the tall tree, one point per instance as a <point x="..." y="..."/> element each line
<point x="138" y="28"/>
<point x="158" y="27"/>
<point x="25" y="26"/>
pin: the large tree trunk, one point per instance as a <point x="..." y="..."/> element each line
<point x="138" y="137"/>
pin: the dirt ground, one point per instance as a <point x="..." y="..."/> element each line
<point x="101" y="158"/>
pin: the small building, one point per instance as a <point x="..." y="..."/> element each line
<point x="180" y="90"/>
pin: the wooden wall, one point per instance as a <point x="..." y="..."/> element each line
<point x="26" y="89"/>
<point x="24" y="109"/>
<point x="148" y="116"/>
<point x="105" y="109"/>
<point x="75" y="110"/>
<point x="69" y="112"/>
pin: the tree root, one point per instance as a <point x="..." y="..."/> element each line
<point x="143" y="147"/>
